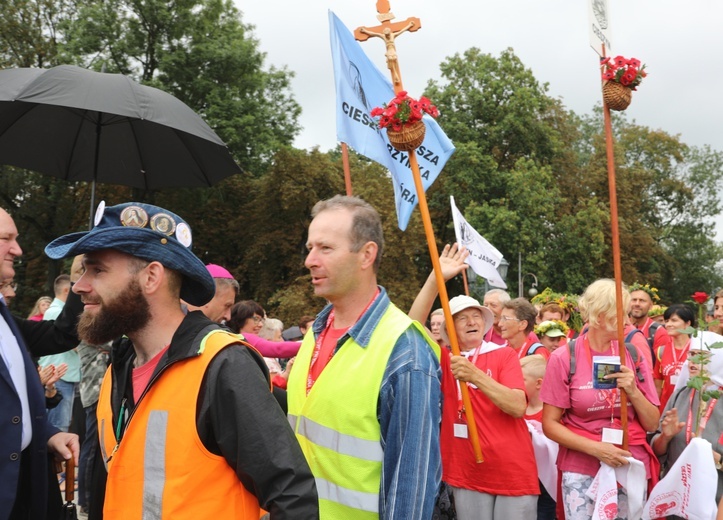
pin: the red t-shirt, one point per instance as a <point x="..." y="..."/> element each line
<point x="509" y="466"/>
<point x="331" y="338"/>
<point x="142" y="375"/>
<point x="667" y="370"/>
<point x="525" y="348"/>
<point x="534" y="417"/>
<point x="493" y="336"/>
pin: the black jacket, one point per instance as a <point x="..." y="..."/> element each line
<point x="237" y="418"/>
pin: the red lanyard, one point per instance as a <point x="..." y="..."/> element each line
<point x="684" y="353"/>
<point x="703" y="420"/>
<point x="523" y="349"/>
<point x="460" y="404"/>
<point x="310" y="380"/>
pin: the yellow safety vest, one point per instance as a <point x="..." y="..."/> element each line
<point x="161" y="469"/>
<point x="336" y="424"/>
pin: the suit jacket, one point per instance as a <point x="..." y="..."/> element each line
<point x="36" y="338"/>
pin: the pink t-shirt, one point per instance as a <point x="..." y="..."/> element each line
<point x="588" y="408"/>
<point x="142" y="375"/>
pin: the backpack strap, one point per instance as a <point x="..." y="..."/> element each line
<point x="651" y="333"/>
<point x="634" y="354"/>
<point x="629" y="336"/>
<point x="573" y="364"/>
<point x="659" y="353"/>
<point x="533" y="348"/>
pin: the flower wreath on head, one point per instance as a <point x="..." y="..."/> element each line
<point x="567" y="301"/>
<point x="657" y="310"/>
<point x="652" y="291"/>
<point x="545" y="326"/>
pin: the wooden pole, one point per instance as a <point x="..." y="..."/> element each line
<point x="617" y="268"/>
<point x="464" y="279"/>
<point x="347" y="172"/>
<point x="388" y="32"/>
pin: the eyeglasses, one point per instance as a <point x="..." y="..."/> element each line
<point x="13" y="286"/>
<point x="509" y="318"/>
<point x="258" y="319"/>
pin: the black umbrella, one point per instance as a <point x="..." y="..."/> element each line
<point x="82" y="125"/>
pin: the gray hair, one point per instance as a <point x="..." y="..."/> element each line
<point x="227" y="282"/>
<point x="271" y="326"/>
<point x="502" y="295"/>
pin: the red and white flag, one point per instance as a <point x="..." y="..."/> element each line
<point x="688" y="489"/>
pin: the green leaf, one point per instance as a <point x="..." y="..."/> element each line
<point x="696" y="382"/>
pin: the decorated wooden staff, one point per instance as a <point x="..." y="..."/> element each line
<point x="620" y="76"/>
<point x="408" y="138"/>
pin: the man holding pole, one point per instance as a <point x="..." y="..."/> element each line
<point x="504" y="485"/>
<point x="364" y="395"/>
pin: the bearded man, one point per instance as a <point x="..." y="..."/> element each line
<point x="187" y="423"/>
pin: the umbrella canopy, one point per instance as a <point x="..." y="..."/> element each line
<point x="82" y="125"/>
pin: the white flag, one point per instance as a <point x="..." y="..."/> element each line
<point x="604" y="489"/>
<point x="483" y="257"/>
<point x="688" y="489"/>
<point x="360" y="86"/>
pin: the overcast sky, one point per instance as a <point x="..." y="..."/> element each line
<point x="681" y="43"/>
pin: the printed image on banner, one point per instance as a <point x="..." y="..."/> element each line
<point x="360" y="87"/>
<point x="484" y="258"/>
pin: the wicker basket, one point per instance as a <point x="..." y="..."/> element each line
<point x="617" y="96"/>
<point x="408" y="138"/>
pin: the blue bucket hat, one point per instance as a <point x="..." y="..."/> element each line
<point x="146" y="232"/>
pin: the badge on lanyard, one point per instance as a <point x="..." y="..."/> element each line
<point x="612" y="435"/>
<point x="460" y="430"/>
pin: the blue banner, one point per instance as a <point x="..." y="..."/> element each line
<point x="360" y="87"/>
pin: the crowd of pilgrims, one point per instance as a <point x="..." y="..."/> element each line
<point x="548" y="421"/>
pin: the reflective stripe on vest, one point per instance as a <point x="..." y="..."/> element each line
<point x="334" y="440"/>
<point x="154" y="465"/>
<point x="337" y="425"/>
<point x="161" y="470"/>
<point x="354" y="499"/>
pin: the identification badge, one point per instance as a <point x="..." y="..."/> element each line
<point x="460" y="430"/>
<point x="612" y="435"/>
<point x="674" y="379"/>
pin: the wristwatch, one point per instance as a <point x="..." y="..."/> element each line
<point x="719" y="465"/>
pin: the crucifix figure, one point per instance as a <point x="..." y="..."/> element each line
<point x="388" y="31"/>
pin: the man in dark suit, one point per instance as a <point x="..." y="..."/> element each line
<point x="25" y="435"/>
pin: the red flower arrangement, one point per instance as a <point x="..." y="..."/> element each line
<point x="627" y="72"/>
<point x="403" y="110"/>
<point x="699" y="297"/>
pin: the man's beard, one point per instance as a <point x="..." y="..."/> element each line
<point x="125" y="313"/>
<point x="639" y="312"/>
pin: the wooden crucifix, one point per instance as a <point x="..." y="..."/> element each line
<point x="388" y="31"/>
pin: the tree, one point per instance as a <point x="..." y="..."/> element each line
<point x="514" y="145"/>
<point x="199" y="50"/>
<point x="270" y="230"/>
<point x="202" y="53"/>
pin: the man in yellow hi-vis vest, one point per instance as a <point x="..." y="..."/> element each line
<point x="364" y="393"/>
<point x="187" y="424"/>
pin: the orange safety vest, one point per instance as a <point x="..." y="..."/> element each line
<point x="161" y="469"/>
